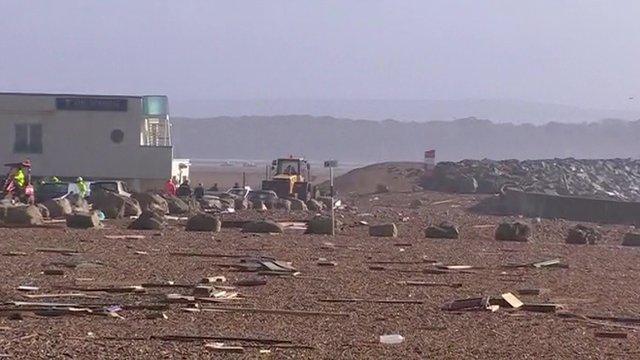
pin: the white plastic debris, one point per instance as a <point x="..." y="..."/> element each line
<point x="391" y="339"/>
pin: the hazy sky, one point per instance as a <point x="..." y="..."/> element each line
<point x="580" y="52"/>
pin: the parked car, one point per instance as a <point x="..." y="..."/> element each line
<point x="268" y="196"/>
<point x="55" y="190"/>
<point x="116" y="186"/>
<point x="241" y="192"/>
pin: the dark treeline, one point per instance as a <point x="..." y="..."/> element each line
<point x="262" y="137"/>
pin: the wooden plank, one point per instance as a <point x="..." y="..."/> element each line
<point x="221" y="347"/>
<point x="611" y="334"/>
<point x="58" y="250"/>
<point x="215" y="338"/>
<point x="546" y="263"/>
<point x="429" y="283"/>
<point x="512" y="300"/>
<point x="544" y="308"/>
<point x="532" y="291"/>
<point x="275" y="311"/>
<point x="63" y="295"/>
<point x="210" y="255"/>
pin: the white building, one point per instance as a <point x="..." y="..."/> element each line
<point x="93" y="136"/>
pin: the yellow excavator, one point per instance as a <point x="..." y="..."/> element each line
<point x="289" y="178"/>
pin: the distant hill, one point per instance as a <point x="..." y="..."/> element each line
<point x="502" y="111"/>
<point x="319" y="138"/>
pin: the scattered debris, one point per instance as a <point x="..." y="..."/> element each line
<point x="213" y="279"/>
<point x="275" y="311"/>
<point x="28" y="288"/>
<point x="251" y="282"/>
<point x="532" y="291"/>
<point x="544" y="308"/>
<point x="430" y="284"/>
<point x="481" y="303"/>
<point x="58" y="250"/>
<point x="224" y="348"/>
<point x="124" y="237"/>
<point x="52" y="272"/>
<point x="611" y="334"/>
<point x="391" y="339"/>
<point x="325" y="262"/>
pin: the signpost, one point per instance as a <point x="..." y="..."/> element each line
<point x="332" y="164"/>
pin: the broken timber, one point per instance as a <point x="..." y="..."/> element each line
<point x="273" y="311"/>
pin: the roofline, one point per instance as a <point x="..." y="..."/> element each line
<point x="77" y="95"/>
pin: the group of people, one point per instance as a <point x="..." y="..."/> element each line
<point x="171" y="187"/>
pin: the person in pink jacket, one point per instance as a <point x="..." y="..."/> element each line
<point x="170" y="188"/>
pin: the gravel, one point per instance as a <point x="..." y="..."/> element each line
<point x="599" y="280"/>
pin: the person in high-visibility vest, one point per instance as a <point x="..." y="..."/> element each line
<point x="82" y="186"/>
<point x="20" y="178"/>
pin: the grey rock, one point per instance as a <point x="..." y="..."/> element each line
<point x="383" y="230"/>
<point x="631" y="239"/>
<point x="58" y="208"/>
<point x="27" y="215"/>
<point x="262" y="226"/>
<point x="581" y="234"/>
<point x="444" y="230"/>
<point x="513" y="231"/>
<point x="148" y="220"/>
<point x="315" y="205"/>
<point x="203" y="222"/>
<point x="85" y="220"/>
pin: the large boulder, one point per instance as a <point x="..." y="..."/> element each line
<point x="212" y="203"/>
<point x="3" y="209"/>
<point x="84" y="220"/>
<point x="148" y="220"/>
<point x="325" y="200"/>
<point x="131" y="207"/>
<point x="58" y="208"/>
<point x="262" y="226"/>
<point x="298" y="205"/>
<point x="283" y="204"/>
<point x="176" y="205"/>
<point x="444" y="230"/>
<point x="383" y="230"/>
<point x="78" y="203"/>
<point x="43" y="211"/>
<point x="315" y="205"/>
<point x="513" y="231"/>
<point x="227" y="202"/>
<point x="111" y="204"/>
<point x="151" y="202"/>
<point x="241" y="204"/>
<point x="203" y="222"/>
<point x="417" y="203"/>
<point x="631" y="239"/>
<point x="321" y="225"/>
<point x="466" y="185"/>
<point x="381" y="189"/>
<point x="259" y="205"/>
<point x="581" y="234"/>
<point x="26" y="215"/>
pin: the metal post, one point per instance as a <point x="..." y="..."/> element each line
<point x="244" y="179"/>
<point x="333" y="215"/>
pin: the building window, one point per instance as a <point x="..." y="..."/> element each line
<point x="28" y="139"/>
<point x="117" y="136"/>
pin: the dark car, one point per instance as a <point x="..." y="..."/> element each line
<point x="54" y="190"/>
<point x="268" y="196"/>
